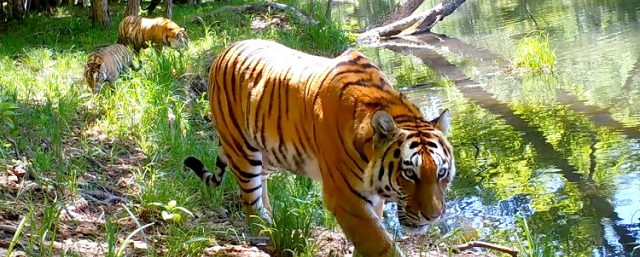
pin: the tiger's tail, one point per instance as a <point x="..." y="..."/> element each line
<point x="210" y="179"/>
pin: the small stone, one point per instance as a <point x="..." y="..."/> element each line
<point x="140" y="246"/>
<point x="87" y="228"/>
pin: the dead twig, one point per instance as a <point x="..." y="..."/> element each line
<point x="526" y="8"/>
<point x="490" y="246"/>
<point x="15" y="147"/>
<point x="249" y="240"/>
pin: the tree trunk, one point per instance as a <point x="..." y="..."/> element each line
<point x="100" y="13"/>
<point x="133" y="7"/>
<point x="191" y="2"/>
<point x="17" y="9"/>
<point x="404" y="9"/>
<point x="169" y="6"/>
<point x="327" y="15"/>
<point x="311" y="10"/>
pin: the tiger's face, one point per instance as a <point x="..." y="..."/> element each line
<point x="414" y="166"/>
<point x="177" y="37"/>
<point x="94" y="75"/>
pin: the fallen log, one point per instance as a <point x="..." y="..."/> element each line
<point x="412" y="25"/>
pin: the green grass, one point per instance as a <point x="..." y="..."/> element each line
<point x="131" y="138"/>
<point x="534" y="244"/>
<point x="534" y="54"/>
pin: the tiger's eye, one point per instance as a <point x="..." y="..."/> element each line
<point x="409" y="173"/>
<point x="442" y="173"/>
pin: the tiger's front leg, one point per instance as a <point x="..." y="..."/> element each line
<point x="360" y="222"/>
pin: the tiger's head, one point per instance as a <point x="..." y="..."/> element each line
<point x="176" y="37"/>
<point x="94" y="74"/>
<point x="413" y="165"/>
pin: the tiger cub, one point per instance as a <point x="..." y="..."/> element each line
<point x="137" y="31"/>
<point x="338" y="121"/>
<point x="106" y="64"/>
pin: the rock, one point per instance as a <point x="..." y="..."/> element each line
<point x="234" y="250"/>
<point x="140" y="246"/>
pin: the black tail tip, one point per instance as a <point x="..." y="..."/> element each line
<point x="193" y="163"/>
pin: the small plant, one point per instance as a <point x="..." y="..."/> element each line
<point x="7" y="111"/>
<point x="534" y="245"/>
<point x="534" y="54"/>
<point x="169" y="212"/>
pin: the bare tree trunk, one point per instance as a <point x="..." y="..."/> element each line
<point x="191" y="2"/>
<point x="404" y="9"/>
<point x="169" y="7"/>
<point x="100" y="13"/>
<point x="327" y="15"/>
<point x="414" y="24"/>
<point x="17" y="9"/>
<point x="133" y="7"/>
<point x="311" y="9"/>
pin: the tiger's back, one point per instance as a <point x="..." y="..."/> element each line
<point x="106" y="64"/>
<point x="253" y="96"/>
<point x="137" y="31"/>
<point x="338" y="121"/>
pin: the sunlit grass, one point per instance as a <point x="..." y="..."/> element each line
<point x="135" y="134"/>
<point x="534" y="53"/>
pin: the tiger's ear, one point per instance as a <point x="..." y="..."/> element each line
<point x="443" y="122"/>
<point x="383" y="125"/>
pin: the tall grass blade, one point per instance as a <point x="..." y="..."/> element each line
<point x="16" y="236"/>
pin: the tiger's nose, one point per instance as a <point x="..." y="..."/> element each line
<point x="433" y="215"/>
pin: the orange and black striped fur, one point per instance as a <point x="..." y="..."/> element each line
<point x="137" y="31"/>
<point x="338" y="121"/>
<point x="106" y="64"/>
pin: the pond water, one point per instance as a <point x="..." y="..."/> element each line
<point x="561" y="150"/>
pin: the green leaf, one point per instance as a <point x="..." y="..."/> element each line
<point x="197" y="239"/>
<point x="176" y="217"/>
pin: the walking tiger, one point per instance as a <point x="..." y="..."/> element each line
<point x="106" y="64"/>
<point x="338" y="121"/>
<point x="137" y="31"/>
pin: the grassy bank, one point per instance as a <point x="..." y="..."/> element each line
<point x="92" y="174"/>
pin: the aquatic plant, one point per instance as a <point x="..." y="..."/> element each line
<point x="534" y="54"/>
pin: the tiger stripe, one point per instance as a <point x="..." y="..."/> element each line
<point x="338" y="121"/>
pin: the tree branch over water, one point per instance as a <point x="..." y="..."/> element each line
<point x="412" y="25"/>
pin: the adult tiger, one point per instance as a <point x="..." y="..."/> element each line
<point x="338" y="121"/>
<point x="106" y="64"/>
<point x="137" y="31"/>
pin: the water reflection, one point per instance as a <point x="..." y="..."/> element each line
<point x="561" y="150"/>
